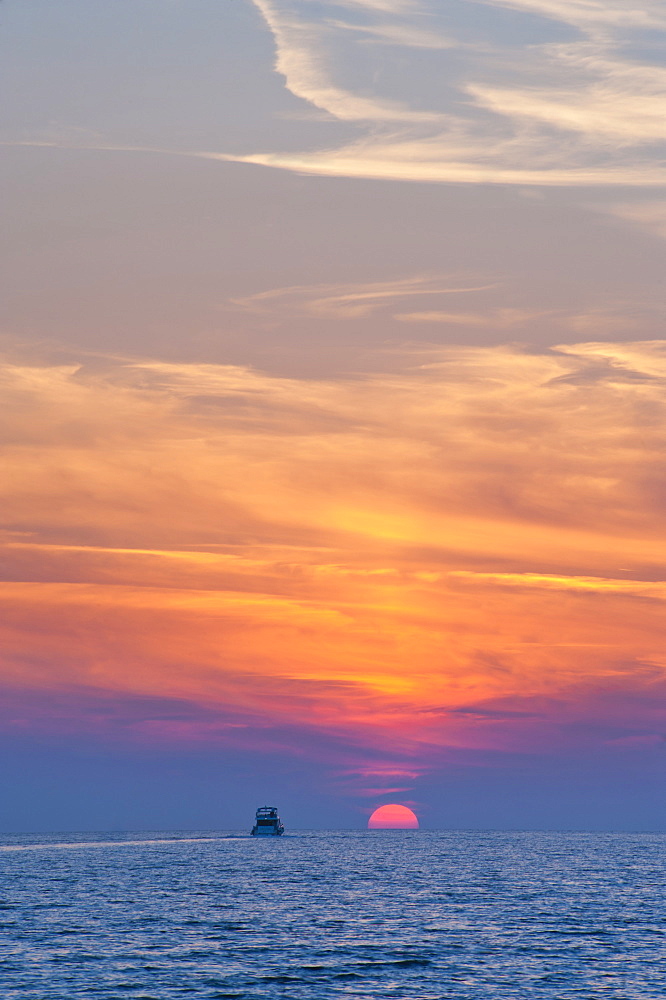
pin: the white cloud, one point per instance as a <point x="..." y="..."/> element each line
<point x="385" y="162"/>
<point x="616" y="100"/>
<point x="303" y="61"/>
<point x="540" y="112"/>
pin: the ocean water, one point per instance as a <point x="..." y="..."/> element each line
<point x="414" y="915"/>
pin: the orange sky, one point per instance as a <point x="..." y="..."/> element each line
<point x="414" y="559"/>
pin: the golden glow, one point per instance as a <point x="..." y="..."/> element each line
<point x="377" y="558"/>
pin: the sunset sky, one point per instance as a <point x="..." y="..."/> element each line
<point x="333" y="412"/>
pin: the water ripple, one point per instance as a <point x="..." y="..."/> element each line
<point x="359" y="916"/>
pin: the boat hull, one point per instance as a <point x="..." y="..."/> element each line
<point x="267" y="823"/>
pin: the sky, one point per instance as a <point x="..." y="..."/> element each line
<point x="333" y="413"/>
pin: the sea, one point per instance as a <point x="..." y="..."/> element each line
<point x="414" y="915"/>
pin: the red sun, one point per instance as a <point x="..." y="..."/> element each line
<point x="393" y="817"/>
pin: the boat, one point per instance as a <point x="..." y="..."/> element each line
<point x="267" y="823"/>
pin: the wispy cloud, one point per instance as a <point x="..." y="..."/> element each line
<point x="586" y="13"/>
<point x="548" y="92"/>
<point x="593" y="584"/>
<point x="345" y="555"/>
<point x="302" y="60"/>
<point x="499" y="319"/>
<point x="344" y="301"/>
<point x="400" y="35"/>
<point x="549" y="111"/>
<point x="544" y="92"/>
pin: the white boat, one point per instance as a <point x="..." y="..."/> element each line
<point x="267" y="823"/>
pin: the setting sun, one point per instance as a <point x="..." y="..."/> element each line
<point x="393" y="817"/>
